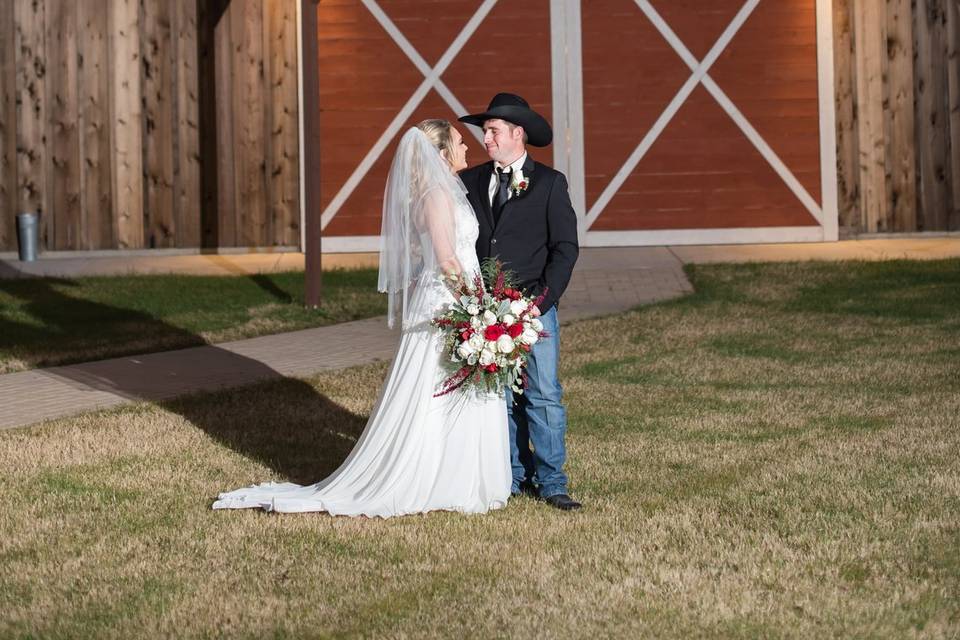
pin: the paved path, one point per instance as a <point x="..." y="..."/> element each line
<point x="602" y="284"/>
<point x="605" y="281"/>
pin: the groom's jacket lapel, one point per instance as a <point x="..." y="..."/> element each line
<point x="482" y="191"/>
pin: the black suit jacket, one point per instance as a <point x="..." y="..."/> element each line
<point x="536" y="237"/>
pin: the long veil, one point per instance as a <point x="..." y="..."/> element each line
<point x="419" y="227"/>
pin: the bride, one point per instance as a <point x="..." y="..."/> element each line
<point x="418" y="452"/>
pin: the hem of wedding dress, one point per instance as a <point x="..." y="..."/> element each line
<point x="270" y="507"/>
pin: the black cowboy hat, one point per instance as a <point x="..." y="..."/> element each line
<point x="513" y="108"/>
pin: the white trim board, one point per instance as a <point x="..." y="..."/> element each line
<point x="826" y="91"/>
<point x="673" y="237"/>
<point x="655" y="237"/>
<point x="350" y="244"/>
<point x="566" y="61"/>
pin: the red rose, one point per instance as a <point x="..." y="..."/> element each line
<point x="515" y="330"/>
<point x="514" y="294"/>
<point x="493" y="332"/>
<point x="465" y="335"/>
<point x="463" y="324"/>
<point x="492" y="368"/>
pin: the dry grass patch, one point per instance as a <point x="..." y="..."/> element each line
<point x="766" y="458"/>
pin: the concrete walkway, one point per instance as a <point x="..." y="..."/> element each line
<point x="605" y="281"/>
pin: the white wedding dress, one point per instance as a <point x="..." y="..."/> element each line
<point x="418" y="452"/>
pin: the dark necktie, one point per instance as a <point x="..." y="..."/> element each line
<point x="502" y="195"/>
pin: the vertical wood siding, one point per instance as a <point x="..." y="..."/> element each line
<point x="159" y="136"/>
<point x="100" y="123"/>
<point x="186" y="178"/>
<point x="898" y="117"/>
<point x="63" y="140"/>
<point x="127" y="158"/>
<point x="8" y="126"/>
<point x="953" y="79"/>
<point x="254" y="182"/>
<point x="845" y="90"/>
<point x="97" y="229"/>
<point x="30" y="116"/>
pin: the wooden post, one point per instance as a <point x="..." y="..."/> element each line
<point x="311" y="151"/>
<point x="870" y="30"/>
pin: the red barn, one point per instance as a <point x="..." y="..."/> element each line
<point x="675" y="123"/>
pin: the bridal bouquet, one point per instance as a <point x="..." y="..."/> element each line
<point x="489" y="331"/>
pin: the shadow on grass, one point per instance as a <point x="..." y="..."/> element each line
<point x="52" y="317"/>
<point x="281" y="422"/>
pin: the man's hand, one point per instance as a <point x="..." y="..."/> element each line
<point x="535" y="311"/>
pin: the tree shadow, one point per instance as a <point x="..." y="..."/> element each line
<point x="281" y="422"/>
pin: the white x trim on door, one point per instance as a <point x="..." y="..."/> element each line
<point x="431" y="80"/>
<point x="699" y="75"/>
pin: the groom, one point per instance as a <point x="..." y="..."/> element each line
<point x="526" y="219"/>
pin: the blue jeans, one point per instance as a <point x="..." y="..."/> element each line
<point x="537" y="417"/>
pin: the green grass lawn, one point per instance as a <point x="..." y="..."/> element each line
<point x="775" y="456"/>
<point x="48" y="321"/>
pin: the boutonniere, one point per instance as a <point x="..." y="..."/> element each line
<point x="519" y="184"/>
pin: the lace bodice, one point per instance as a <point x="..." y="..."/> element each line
<point x="430" y="293"/>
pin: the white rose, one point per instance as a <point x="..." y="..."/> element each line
<point x="508" y="320"/>
<point x="537" y="325"/>
<point x="465" y="350"/>
<point x="473" y="309"/>
<point x="476" y="323"/>
<point x="529" y="336"/>
<point x="472" y="360"/>
<point x="489" y="318"/>
<point x="476" y="342"/>
<point x="517" y="307"/>
<point x="490" y="345"/>
<point x="505" y="344"/>
<point x="487" y="357"/>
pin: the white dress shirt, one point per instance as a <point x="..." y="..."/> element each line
<point x="516" y="165"/>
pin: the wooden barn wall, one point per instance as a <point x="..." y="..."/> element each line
<point x="897" y="71"/>
<point x="100" y="122"/>
<point x="252" y="176"/>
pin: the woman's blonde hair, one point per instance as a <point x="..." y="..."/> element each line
<point x="439" y="133"/>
